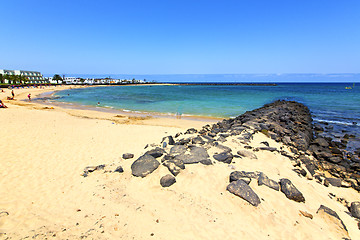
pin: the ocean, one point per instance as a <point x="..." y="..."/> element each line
<point x="331" y="104"/>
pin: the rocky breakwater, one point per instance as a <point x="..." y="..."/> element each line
<point x="288" y="122"/>
<point x="289" y="131"/>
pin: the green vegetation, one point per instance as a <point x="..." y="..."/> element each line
<point x="57" y="78"/>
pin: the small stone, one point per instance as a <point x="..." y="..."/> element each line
<point x="167" y="180"/>
<point x="355" y="209"/>
<point x="127" y="155"/>
<point x="247" y="154"/>
<point x="119" y="169"/>
<point x="306" y="214"/>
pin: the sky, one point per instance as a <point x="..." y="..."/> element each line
<point x="181" y="36"/>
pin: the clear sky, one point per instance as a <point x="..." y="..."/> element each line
<point x="181" y="36"/>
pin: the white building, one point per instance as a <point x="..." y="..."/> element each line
<point x="32" y="76"/>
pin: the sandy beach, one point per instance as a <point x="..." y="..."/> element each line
<point x="44" y="150"/>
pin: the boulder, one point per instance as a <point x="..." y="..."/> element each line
<point x="127" y="155"/>
<point x="177" y="150"/>
<point x="264" y="180"/>
<point x="167" y="180"/>
<point x="355" y="209"/>
<point x="290" y="191"/>
<point x="248" y="154"/>
<point x="223" y="157"/>
<point x="243" y="190"/>
<point x="196" y="155"/>
<point x="157" y="152"/>
<point x="144" y="165"/>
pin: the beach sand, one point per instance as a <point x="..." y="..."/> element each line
<point x="44" y="150"/>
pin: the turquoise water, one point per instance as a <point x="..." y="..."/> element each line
<point x="327" y="101"/>
<point x="330" y="102"/>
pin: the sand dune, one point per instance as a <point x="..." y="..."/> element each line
<point x="44" y="151"/>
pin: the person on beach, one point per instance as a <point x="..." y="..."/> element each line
<point x="29" y="96"/>
<point x="2" y="105"/>
<point x="13" y="94"/>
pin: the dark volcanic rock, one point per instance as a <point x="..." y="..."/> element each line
<point x="157" y="152"/>
<point x="264" y="180"/>
<point x="196" y="155"/>
<point x="177" y="150"/>
<point x="241" y="189"/>
<point x="224" y="157"/>
<point x="290" y="191"/>
<point x="236" y="175"/>
<point x="127" y="155"/>
<point x="336" y="182"/>
<point x="169" y="140"/>
<point x="198" y="140"/>
<point x="167" y="180"/>
<point x="144" y="165"/>
<point x="119" y="169"/>
<point x="355" y="209"/>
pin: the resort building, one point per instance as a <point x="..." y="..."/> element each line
<point x="31" y="76"/>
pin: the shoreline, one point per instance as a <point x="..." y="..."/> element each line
<point x="114" y="115"/>
<point x="40" y="99"/>
<point x="46" y="151"/>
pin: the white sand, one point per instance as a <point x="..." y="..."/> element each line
<point x="44" y="151"/>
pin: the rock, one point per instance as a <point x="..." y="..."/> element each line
<point x="144" y="165"/>
<point x="206" y="162"/>
<point x="157" y="152"/>
<point x="321" y="142"/>
<point x="169" y="140"/>
<point x="172" y="167"/>
<point x="290" y="191"/>
<point x="127" y="155"/>
<point x="177" y="150"/>
<point x="264" y="180"/>
<point x="191" y="131"/>
<point x="355" y="209"/>
<point x="198" y="140"/>
<point x="271" y="149"/>
<point x="306" y="214"/>
<point x="332" y="219"/>
<point x="336" y="182"/>
<point x="223" y="157"/>
<point x="167" y="180"/>
<point x="222" y="148"/>
<point x="248" y="154"/>
<point x="310" y="165"/>
<point x="196" y="155"/>
<point x="241" y="189"/>
<point x="119" y="169"/>
<point x="236" y="175"/>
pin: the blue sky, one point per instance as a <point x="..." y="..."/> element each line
<point x="181" y="37"/>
